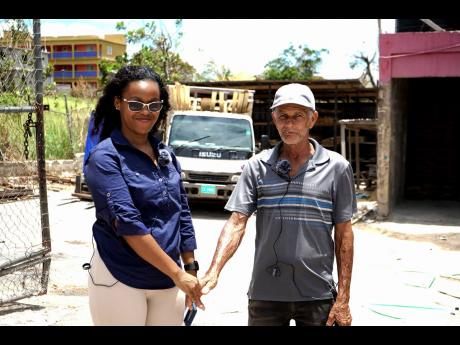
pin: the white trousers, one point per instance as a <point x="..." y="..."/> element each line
<point x="124" y="305"/>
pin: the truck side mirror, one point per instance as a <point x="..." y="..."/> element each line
<point x="264" y="142"/>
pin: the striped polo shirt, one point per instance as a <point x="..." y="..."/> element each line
<point x="294" y="247"/>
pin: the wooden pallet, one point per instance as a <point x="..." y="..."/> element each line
<point x="240" y="102"/>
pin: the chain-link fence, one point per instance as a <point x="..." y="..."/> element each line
<point x="66" y="125"/>
<point x="24" y="225"/>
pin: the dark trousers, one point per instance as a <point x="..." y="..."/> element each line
<point x="273" y="313"/>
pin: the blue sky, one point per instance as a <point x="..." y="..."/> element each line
<point x="246" y="45"/>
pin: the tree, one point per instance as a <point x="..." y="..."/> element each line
<point x="213" y="72"/>
<point x="16" y="60"/>
<point x="159" y="50"/>
<point x="178" y="69"/>
<point x="16" y="33"/>
<point x="294" y="64"/>
<point x="108" y="67"/>
<point x="362" y="60"/>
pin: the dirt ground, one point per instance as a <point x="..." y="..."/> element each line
<point x="405" y="269"/>
<point x="447" y="241"/>
<point x="436" y="222"/>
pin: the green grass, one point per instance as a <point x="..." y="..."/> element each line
<point x="58" y="144"/>
<point x="57" y="134"/>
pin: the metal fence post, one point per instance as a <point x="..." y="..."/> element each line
<point x="40" y="131"/>
<point x="69" y="124"/>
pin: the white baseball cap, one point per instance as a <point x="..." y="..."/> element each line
<point x="294" y="94"/>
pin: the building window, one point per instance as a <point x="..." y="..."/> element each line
<point x="109" y="50"/>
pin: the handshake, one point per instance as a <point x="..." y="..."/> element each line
<point x="194" y="288"/>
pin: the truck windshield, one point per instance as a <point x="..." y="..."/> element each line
<point x="210" y="133"/>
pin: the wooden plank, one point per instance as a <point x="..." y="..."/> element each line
<point x="213" y="100"/>
<point x="350" y="157"/>
<point x="177" y="95"/>
<point x="172" y="95"/>
<point x="240" y="102"/>
<point x="222" y="106"/>
<point x="187" y="100"/>
<point x="14" y="193"/>
<point x="244" y="107"/>
<point x="235" y="101"/>
<point x="85" y="196"/>
<point x="358" y="168"/>
<point x="182" y="97"/>
<point x="250" y="102"/>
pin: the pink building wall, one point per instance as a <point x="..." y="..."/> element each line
<point x="419" y="54"/>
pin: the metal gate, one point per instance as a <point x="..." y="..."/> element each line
<point x="25" y="242"/>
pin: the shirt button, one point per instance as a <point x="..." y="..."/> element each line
<point x="160" y="179"/>
<point x="165" y="193"/>
<point x="137" y="174"/>
<point x="108" y="194"/>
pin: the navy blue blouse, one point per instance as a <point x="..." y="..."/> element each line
<point x="140" y="198"/>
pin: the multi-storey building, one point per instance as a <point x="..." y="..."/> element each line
<point x="77" y="57"/>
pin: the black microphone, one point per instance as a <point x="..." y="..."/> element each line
<point x="164" y="158"/>
<point x="283" y="168"/>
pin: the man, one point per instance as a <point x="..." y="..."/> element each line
<point x="301" y="192"/>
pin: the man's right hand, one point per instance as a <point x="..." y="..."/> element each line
<point x="190" y="286"/>
<point x="208" y="282"/>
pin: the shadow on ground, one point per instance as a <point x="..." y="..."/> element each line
<point x="14" y="307"/>
<point x="208" y="209"/>
<point x="428" y="212"/>
<point x="440" y="221"/>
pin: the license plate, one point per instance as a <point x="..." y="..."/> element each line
<point x="208" y="189"/>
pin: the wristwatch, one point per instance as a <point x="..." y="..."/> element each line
<point x="192" y="266"/>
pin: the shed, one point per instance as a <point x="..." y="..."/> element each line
<point x="418" y="117"/>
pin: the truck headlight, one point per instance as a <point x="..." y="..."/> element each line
<point x="235" y="178"/>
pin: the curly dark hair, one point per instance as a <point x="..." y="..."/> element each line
<point x="107" y="116"/>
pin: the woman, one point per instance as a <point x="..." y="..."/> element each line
<point x="143" y="225"/>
